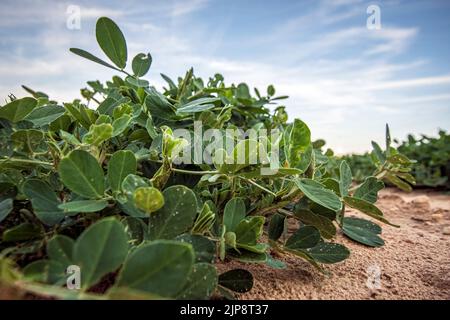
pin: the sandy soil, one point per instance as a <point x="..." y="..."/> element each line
<point x="413" y="264"/>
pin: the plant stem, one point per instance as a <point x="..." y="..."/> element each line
<point x="258" y="186"/>
<point x="194" y="172"/>
<point x="27" y="161"/>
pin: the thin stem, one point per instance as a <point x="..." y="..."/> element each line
<point x="27" y="161"/>
<point x="194" y="172"/>
<point x="258" y="186"/>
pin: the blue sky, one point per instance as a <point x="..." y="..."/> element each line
<point x="344" y="80"/>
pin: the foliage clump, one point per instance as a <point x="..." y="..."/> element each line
<point x="95" y="185"/>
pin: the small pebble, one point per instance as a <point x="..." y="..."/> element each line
<point x="446" y="231"/>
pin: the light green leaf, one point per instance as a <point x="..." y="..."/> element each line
<point x="234" y="213"/>
<point x="249" y="230"/>
<point x="161" y="267"/>
<point x="112" y="41"/>
<point x="298" y="145"/>
<point x="98" y="133"/>
<point x="345" y="180"/>
<point x="119" y="125"/>
<point x="100" y="249"/>
<point x="82" y="174"/>
<point x="84" y="206"/>
<point x="148" y="199"/>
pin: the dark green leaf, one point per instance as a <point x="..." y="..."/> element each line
<point x="100" y="249"/>
<point x="316" y="192"/>
<point x="112" y="41"/>
<point x="238" y="280"/>
<point x="82" y="174"/>
<point x="161" y="267"/>
<point x="177" y="215"/>
<point x="305" y="237"/>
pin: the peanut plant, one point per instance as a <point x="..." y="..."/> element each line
<point x="96" y="183"/>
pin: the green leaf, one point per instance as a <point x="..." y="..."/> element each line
<point x="121" y="164"/>
<point x="276" y="226"/>
<point x="27" y="139"/>
<point x="60" y="249"/>
<point x="18" y="109"/>
<point x="120" y="125"/>
<point x="84" y="206"/>
<point x="45" y="271"/>
<point x="399" y="182"/>
<point x="378" y="152"/>
<point x="158" y="105"/>
<point x="112" y="41"/>
<point x="238" y="280"/>
<point x="362" y="231"/>
<point x="98" y="133"/>
<point x="328" y="252"/>
<point x="317" y="193"/>
<point x="367" y="208"/>
<point x="234" y="213"/>
<point x="369" y="189"/>
<point x="323" y="224"/>
<point x="205" y="249"/>
<point x="177" y="215"/>
<point x="141" y="64"/>
<point x="345" y="180"/>
<point x="201" y="283"/>
<point x="249" y="230"/>
<point x="21" y="232"/>
<point x="140" y="83"/>
<point x="81" y="173"/>
<point x="198" y="105"/>
<point x="100" y="249"/>
<point x="6" y="207"/>
<point x="89" y="56"/>
<point x="305" y="237"/>
<point x="43" y="116"/>
<point x="299" y="145"/>
<point x="44" y="201"/>
<point x="148" y="199"/>
<point x="136" y="230"/>
<point x="161" y="267"/>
